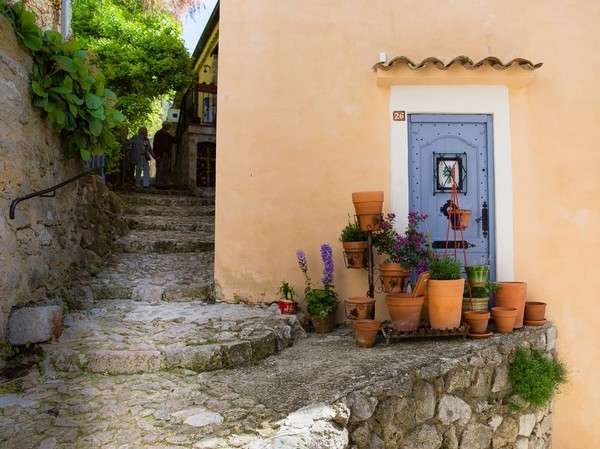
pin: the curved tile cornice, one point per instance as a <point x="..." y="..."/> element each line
<point x="464" y="61"/>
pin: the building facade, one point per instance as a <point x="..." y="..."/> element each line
<point x="321" y="99"/>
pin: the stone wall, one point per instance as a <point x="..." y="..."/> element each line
<point x="47" y="13"/>
<point x="465" y="403"/>
<point x="49" y="237"/>
<point x="433" y="394"/>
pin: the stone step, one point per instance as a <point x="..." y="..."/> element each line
<point x="167" y="201"/>
<point x="172" y="223"/>
<point x="165" y="242"/>
<point x="172" y="211"/>
<point x="155" y="277"/>
<point x="121" y="337"/>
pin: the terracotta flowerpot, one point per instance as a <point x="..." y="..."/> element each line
<point x="359" y="307"/>
<point x="366" y="332"/>
<point x="355" y="254"/>
<point x="535" y="311"/>
<point x="477" y="273"/>
<point x="512" y="294"/>
<point x="444" y="299"/>
<point x="504" y="317"/>
<point x="478" y="321"/>
<point x="459" y="218"/>
<point x="368" y="207"/>
<point x="405" y="311"/>
<point x="481" y="304"/>
<point x="286" y="306"/>
<point x="324" y="325"/>
<point x="394" y="278"/>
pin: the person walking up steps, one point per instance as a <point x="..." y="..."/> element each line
<point x="162" y="148"/>
<point x="141" y="152"/>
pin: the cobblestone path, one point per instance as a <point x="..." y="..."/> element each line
<point x="128" y="370"/>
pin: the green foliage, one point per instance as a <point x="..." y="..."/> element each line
<point x="352" y="233"/>
<point x="67" y="86"/>
<point x="286" y="291"/>
<point x="535" y="377"/>
<point x="482" y="291"/>
<point x="444" y="268"/>
<point x="7" y="351"/>
<point x="140" y="52"/>
<point x="321" y="302"/>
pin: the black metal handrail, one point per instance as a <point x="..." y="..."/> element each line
<point x="50" y="192"/>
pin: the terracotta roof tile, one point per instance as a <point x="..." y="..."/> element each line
<point x="465" y="61"/>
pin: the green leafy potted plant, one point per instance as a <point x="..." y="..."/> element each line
<point x="445" y="290"/>
<point x="287" y="304"/>
<point x="321" y="303"/>
<point x="478" y="297"/>
<point x="355" y="244"/>
<point x="475" y="306"/>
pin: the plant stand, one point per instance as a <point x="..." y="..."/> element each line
<point x="370" y="266"/>
<point x="390" y="333"/>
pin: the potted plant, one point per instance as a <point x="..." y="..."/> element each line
<point x="477" y="297"/>
<point x="476" y="274"/>
<point x="403" y="253"/>
<point x="287" y="304"/>
<point x="321" y="303"/>
<point x="445" y="289"/>
<point x="355" y="244"/>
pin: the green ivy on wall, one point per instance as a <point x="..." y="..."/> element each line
<point x="66" y="85"/>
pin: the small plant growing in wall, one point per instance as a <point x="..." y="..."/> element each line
<point x="535" y="377"/>
<point x="66" y="85"/>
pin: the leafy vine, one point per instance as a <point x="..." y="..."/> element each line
<point x="66" y="85"/>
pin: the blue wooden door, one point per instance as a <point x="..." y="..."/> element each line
<point x="438" y="143"/>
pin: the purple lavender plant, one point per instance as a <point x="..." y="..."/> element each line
<point x="327" y="256"/>
<point x="303" y="264"/>
<point x="320" y="302"/>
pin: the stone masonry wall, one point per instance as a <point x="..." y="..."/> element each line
<point x="462" y="403"/>
<point x="49" y="236"/>
<point x="47" y="13"/>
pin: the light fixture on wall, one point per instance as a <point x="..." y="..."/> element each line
<point x="207" y="68"/>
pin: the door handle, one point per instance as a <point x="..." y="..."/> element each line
<point x="484" y="219"/>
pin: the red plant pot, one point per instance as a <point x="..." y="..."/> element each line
<point x="286" y="306"/>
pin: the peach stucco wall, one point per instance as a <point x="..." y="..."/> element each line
<point x="302" y="124"/>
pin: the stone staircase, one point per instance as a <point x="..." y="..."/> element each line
<point x="152" y="307"/>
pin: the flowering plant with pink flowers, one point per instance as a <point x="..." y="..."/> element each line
<point x="411" y="249"/>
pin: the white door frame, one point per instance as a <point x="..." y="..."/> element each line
<point x="492" y="100"/>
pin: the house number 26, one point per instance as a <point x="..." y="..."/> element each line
<point x="399" y="116"/>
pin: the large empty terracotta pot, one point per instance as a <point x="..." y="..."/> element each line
<point x="478" y="320"/>
<point x="512" y="294"/>
<point x="366" y="332"/>
<point x="368" y="207"/>
<point x="504" y="317"/>
<point x="405" y="311"/>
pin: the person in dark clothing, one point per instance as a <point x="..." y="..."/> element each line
<point x="162" y="148"/>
